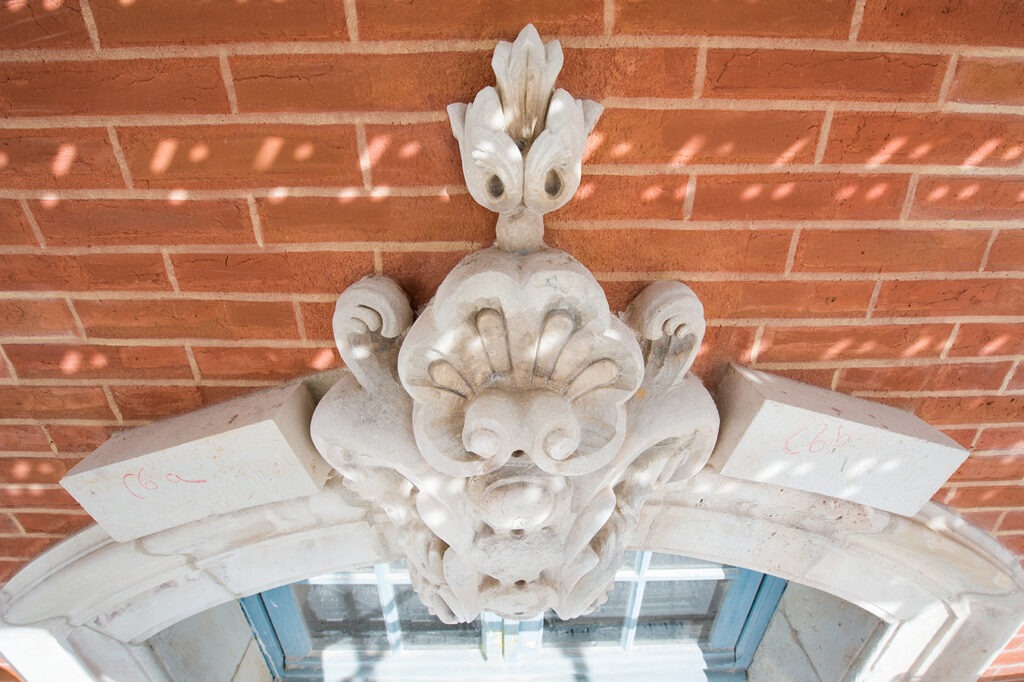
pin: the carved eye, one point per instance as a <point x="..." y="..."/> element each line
<point x="495" y="187"/>
<point x="553" y="183"/>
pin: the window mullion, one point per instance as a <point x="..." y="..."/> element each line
<point x="636" y="596"/>
<point x="389" y="607"/>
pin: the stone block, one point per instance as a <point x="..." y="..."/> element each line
<point x="242" y="453"/>
<point x="780" y="431"/>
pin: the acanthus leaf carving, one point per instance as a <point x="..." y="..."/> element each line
<point x="513" y="430"/>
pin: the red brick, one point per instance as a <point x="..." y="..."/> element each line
<point x="33" y="469"/>
<point x="8" y="567"/>
<point x="415" y="154"/>
<point x="36" y="318"/>
<point x="799" y="197"/>
<point x="643" y="197"/>
<point x="817" y="377"/>
<point x="988" y="81"/>
<point x="971" y="409"/>
<point x="704" y="137"/>
<point x="426" y="81"/>
<point x="189" y="319"/>
<point x="441" y="19"/>
<point x="376" y="219"/>
<point x="817" y="74"/>
<point x="133" y="86"/>
<point x="969" y="198"/>
<point x="989" y="339"/>
<point x="980" y="22"/>
<point x="985" y="520"/>
<point x="990" y="468"/>
<point x="54" y="402"/>
<point x="971" y="376"/>
<point x="201" y="157"/>
<point x="784" y="344"/>
<point x="36" y="497"/>
<point x="217" y="394"/>
<point x="57" y="159"/>
<point x="994" y="438"/>
<point x="79" y="438"/>
<point x="1014" y="520"/>
<point x="133" y="271"/>
<point x="889" y="250"/>
<point x="156" y="402"/>
<point x="620" y="294"/>
<point x="599" y="73"/>
<point x="783" y="299"/>
<point x="7" y="525"/>
<point x="306" y="272"/>
<point x="23" y="546"/>
<point x="987" y="496"/>
<point x="317" y="318"/>
<point x="419" y="274"/>
<point x="60" y="361"/>
<point x="1007" y="252"/>
<point x="96" y="222"/>
<point x="721" y="346"/>
<point x="14" y="227"/>
<point x="1017" y="382"/>
<point x="951" y="297"/>
<point x="182" y="22"/>
<point x="42" y="25"/>
<point x="793" y="18"/>
<point x="23" y="438"/>
<point x="880" y="138"/>
<point x="641" y="250"/>
<point x="263" y="363"/>
<point x="55" y="523"/>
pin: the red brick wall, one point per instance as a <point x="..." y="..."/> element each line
<point x="186" y="185"/>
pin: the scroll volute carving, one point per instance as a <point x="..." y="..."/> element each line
<point x="512" y="432"/>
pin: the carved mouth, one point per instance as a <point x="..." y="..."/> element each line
<point x="519" y="503"/>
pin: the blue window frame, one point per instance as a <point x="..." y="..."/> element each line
<point x="672" y="617"/>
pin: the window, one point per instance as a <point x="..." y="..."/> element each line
<point x="678" y="618"/>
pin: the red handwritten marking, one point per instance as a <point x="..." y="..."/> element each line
<point x="818" y="443"/>
<point x="136" y="480"/>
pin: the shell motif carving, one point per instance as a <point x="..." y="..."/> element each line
<point x="512" y="431"/>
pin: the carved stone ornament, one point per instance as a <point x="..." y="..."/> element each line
<point x="514" y="428"/>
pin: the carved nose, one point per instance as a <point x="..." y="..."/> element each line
<point x="538" y="423"/>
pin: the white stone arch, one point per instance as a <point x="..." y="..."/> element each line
<point x="950" y="595"/>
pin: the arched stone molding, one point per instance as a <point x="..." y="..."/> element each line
<point x="951" y="596"/>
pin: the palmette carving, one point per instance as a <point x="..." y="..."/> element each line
<point x="513" y="431"/>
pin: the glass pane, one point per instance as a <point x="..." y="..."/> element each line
<point x="679" y="610"/>
<point x="659" y="560"/>
<point x="420" y="629"/>
<point x="600" y="628"/>
<point x="343" y="616"/>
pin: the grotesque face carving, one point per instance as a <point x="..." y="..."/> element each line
<point x="512" y="432"/>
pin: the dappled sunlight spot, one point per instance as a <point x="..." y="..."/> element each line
<point x="594" y="143"/>
<point x="1020" y="195"/>
<point x="680" y="192"/>
<point x="52" y="5"/>
<point x="71" y="362"/>
<point x="376" y="147"/>
<point x="752" y="192"/>
<point x="200" y="152"/>
<point x="621" y="149"/>
<point x="791" y="152"/>
<point x="920" y="151"/>
<point x="886" y="152"/>
<point x="982" y="152"/>
<point x="348" y="195"/>
<point x="4" y="159"/>
<point x="688" y="150"/>
<point x="652" y="193"/>
<point x="968" y="192"/>
<point x="127" y="3"/>
<point x="98" y="361"/>
<point x="16" y="5"/>
<point x="938" y="193"/>
<point x="877" y="191"/>
<point x="303" y="152"/>
<point x="49" y="200"/>
<point x="845" y="192"/>
<point x="585" y="191"/>
<point x="783" y="191"/>
<point x="837" y="348"/>
<point x="995" y="345"/>
<point x="867" y="347"/>
<point x="917" y="346"/>
<point x="323" y="359"/>
<point x="177" y="196"/>
<point x="268" y="153"/>
<point x="380" y="193"/>
<point x="410" y="149"/>
<point x="1013" y="153"/>
<point x="63" y="160"/>
<point x="277" y="194"/>
<point x="163" y="155"/>
<point x="726" y="148"/>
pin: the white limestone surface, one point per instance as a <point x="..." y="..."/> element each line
<point x="242" y="453"/>
<point x="776" y="430"/>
